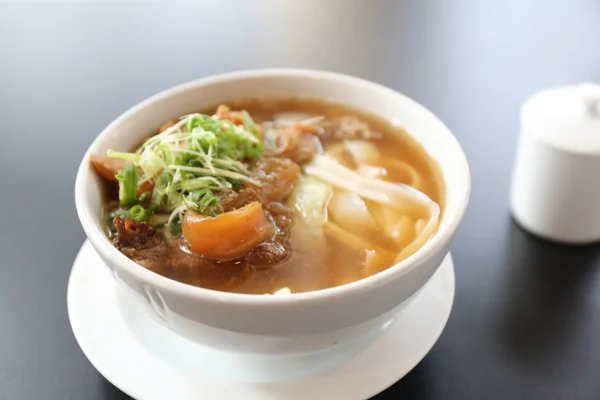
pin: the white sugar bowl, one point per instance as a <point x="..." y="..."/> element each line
<point x="556" y="180"/>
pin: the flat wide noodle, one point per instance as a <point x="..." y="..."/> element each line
<point x="350" y="212"/>
<point x="340" y="235"/>
<point x="410" y="174"/>
<point x="363" y="152"/>
<point x="404" y="198"/>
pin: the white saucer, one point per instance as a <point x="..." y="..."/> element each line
<point x="147" y="361"/>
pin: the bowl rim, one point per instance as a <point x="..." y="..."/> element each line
<point x="101" y="243"/>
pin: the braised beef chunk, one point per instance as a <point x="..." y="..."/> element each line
<point x="282" y="218"/>
<point x="276" y="176"/>
<point x="154" y="258"/>
<point x="197" y="270"/>
<point x="239" y="197"/>
<point x="268" y="254"/>
<point x="308" y="146"/>
<point x="181" y="257"/>
<point x="141" y="243"/>
<point x="277" y="249"/>
<point x="133" y="233"/>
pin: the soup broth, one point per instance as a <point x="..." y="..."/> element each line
<point x="343" y="195"/>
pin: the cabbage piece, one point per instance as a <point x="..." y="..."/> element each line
<point x="309" y="199"/>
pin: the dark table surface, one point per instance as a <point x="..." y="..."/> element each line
<point x="526" y="318"/>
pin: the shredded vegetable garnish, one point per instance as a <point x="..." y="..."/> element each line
<point x="187" y="166"/>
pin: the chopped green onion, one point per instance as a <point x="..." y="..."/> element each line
<point x="204" y="201"/>
<point x="118" y="212"/>
<point x="127" y="185"/>
<point x="250" y="126"/>
<point x="138" y="213"/>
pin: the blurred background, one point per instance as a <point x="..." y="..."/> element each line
<point x="67" y="69"/>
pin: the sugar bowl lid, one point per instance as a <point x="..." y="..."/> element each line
<point x="566" y="117"/>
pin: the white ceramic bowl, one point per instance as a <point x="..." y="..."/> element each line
<point x="302" y="322"/>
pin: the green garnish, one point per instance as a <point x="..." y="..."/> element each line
<point x="175" y="227"/>
<point x="191" y="164"/>
<point x="145" y="199"/>
<point x="205" y="200"/>
<point x="124" y="156"/>
<point x="127" y="186"/>
<point x="138" y="213"/>
<point x="250" y="126"/>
